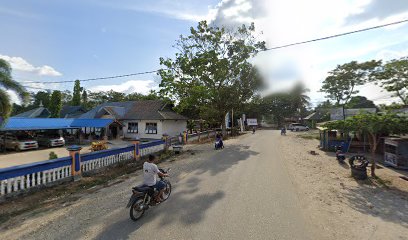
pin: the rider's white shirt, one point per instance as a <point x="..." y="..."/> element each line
<point x="150" y="171"/>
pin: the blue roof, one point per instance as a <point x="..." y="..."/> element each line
<point x="15" y="124"/>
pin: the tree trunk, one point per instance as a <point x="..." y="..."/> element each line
<point x="374" y="144"/>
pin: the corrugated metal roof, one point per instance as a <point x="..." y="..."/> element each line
<point x="15" y="124"/>
<point x="98" y="123"/>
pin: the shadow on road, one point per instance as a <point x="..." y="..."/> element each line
<point x="227" y="158"/>
<point x="185" y="206"/>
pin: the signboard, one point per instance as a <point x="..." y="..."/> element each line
<point x="252" y="122"/>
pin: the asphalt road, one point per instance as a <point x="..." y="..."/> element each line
<point x="241" y="192"/>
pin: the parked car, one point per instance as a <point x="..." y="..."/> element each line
<point x="18" y="142"/>
<point x="53" y="140"/>
<point x="298" y="127"/>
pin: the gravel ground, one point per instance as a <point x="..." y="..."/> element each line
<point x="341" y="207"/>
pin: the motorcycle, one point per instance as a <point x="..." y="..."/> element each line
<point x="340" y="156"/>
<point x="218" y="144"/>
<point x="143" y="197"/>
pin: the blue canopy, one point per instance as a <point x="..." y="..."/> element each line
<point x="18" y="124"/>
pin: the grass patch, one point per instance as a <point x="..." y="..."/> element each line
<point x="309" y="136"/>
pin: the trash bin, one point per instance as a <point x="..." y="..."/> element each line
<point x="358" y="166"/>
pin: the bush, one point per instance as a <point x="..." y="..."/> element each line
<point x="52" y="155"/>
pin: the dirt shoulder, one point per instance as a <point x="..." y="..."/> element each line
<point x="339" y="206"/>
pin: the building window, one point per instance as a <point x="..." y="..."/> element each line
<point x="133" y="127"/>
<point x="151" y="128"/>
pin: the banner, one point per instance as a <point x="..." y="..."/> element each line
<point x="227" y="120"/>
<point x="252" y="122"/>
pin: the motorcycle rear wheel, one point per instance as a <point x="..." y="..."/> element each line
<point x="137" y="209"/>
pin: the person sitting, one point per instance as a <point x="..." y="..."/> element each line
<point x="150" y="172"/>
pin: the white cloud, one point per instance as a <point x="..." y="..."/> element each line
<point x="284" y="22"/>
<point x="139" y="86"/>
<point x="20" y="64"/>
<point x="181" y="9"/>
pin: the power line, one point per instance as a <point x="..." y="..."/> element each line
<point x="268" y="49"/>
<point x="98" y="78"/>
<point x="337" y="35"/>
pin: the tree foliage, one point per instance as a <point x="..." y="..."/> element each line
<point x="300" y="99"/>
<point x="279" y="106"/>
<point x="76" y="95"/>
<point x="393" y="77"/>
<point x="7" y="83"/>
<point x="360" y="102"/>
<point x="374" y="126"/>
<point x="42" y="98"/>
<point x="56" y="106"/>
<point x="342" y="81"/>
<point x="211" y="70"/>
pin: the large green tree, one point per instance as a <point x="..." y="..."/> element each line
<point x="360" y="102"/>
<point x="342" y="81"/>
<point x="211" y="70"/>
<point x="76" y="95"/>
<point x="56" y="106"/>
<point x="374" y="126"/>
<point x="279" y="106"/>
<point x="7" y="83"/>
<point x="393" y="77"/>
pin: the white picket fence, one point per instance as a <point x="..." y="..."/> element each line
<point x="24" y="177"/>
<point x="93" y="161"/>
<point x="30" y="175"/>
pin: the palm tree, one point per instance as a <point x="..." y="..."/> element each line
<point x="7" y="83"/>
<point x="300" y="98"/>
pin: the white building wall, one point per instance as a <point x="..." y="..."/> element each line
<point x="170" y="127"/>
<point x="174" y="127"/>
<point x="142" y="128"/>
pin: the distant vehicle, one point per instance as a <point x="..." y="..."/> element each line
<point x="298" y="127"/>
<point x="18" y="142"/>
<point x="50" y="140"/>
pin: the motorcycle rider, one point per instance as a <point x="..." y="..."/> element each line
<point x="150" y="172"/>
<point x="218" y="138"/>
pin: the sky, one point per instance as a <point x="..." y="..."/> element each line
<point x="53" y="40"/>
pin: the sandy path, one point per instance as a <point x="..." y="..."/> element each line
<point x="341" y="207"/>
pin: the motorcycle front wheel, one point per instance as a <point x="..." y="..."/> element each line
<point x="167" y="191"/>
<point x="137" y="209"/>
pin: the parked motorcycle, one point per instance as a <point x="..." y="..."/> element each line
<point x="143" y="197"/>
<point x="340" y="156"/>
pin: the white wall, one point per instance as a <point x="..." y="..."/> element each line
<point x="142" y="128"/>
<point x="170" y="127"/>
<point x="174" y="127"/>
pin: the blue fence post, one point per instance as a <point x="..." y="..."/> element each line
<point x="74" y="152"/>
<point x="136" y="152"/>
